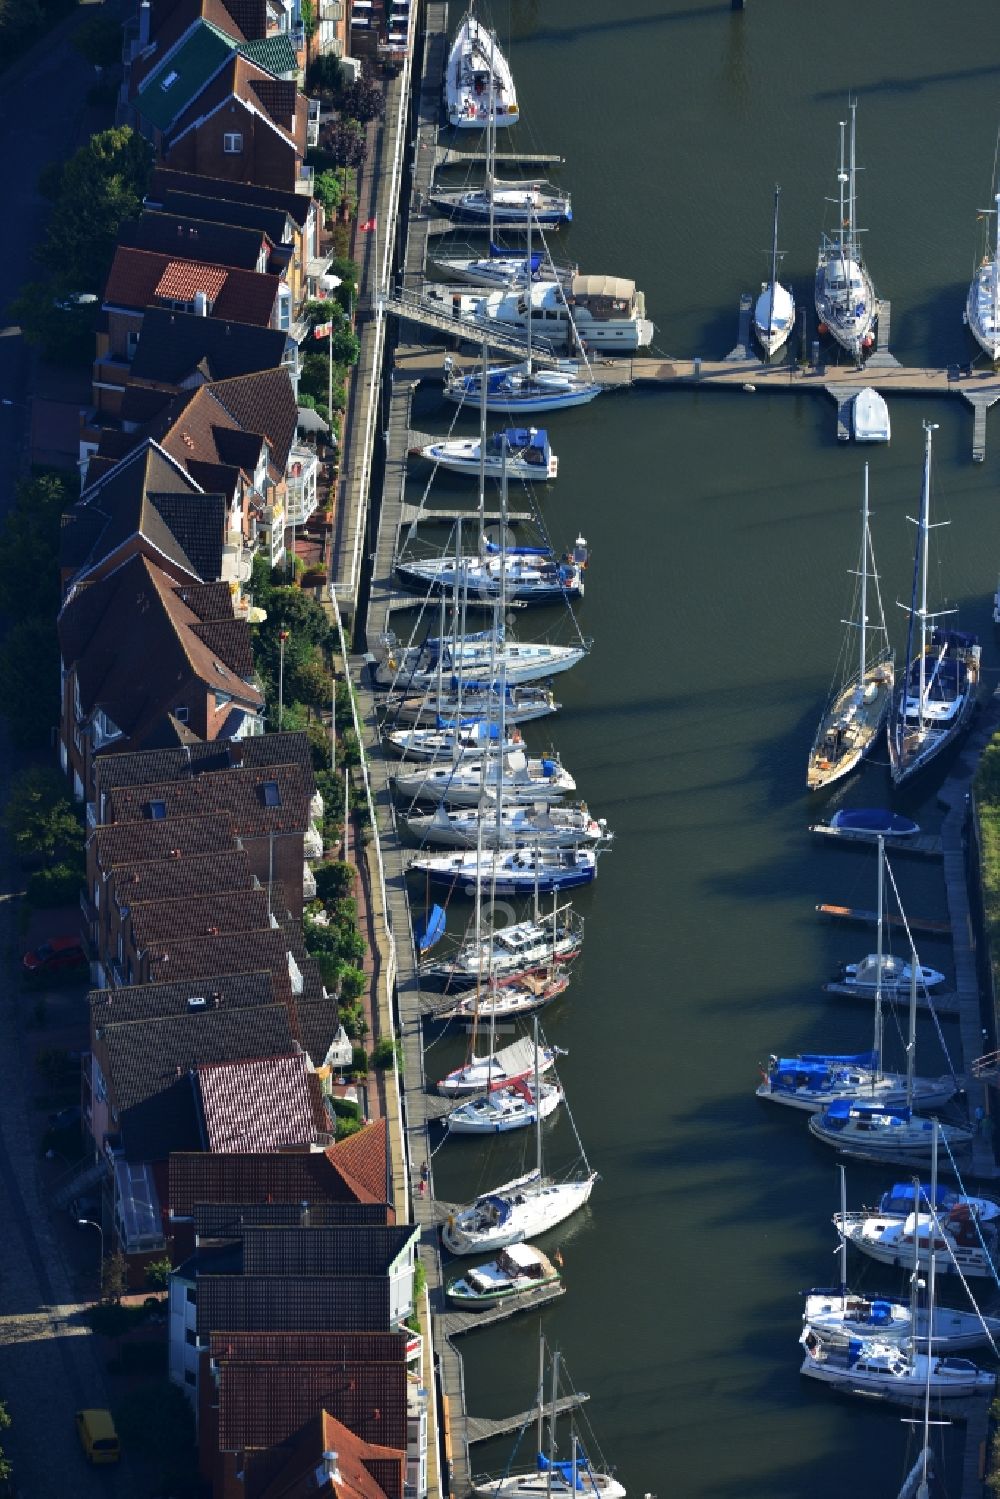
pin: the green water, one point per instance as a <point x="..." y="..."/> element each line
<point x="722" y="527"/>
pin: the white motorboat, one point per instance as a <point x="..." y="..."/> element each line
<point x="846" y="305"/>
<point x="774" y="310"/>
<point x="870" y="417"/>
<point x="545" y="827"/>
<point x="607" y="313"/>
<point x="506" y="1107"/>
<point x="522" y="779"/>
<point x="510" y="871"/>
<point x="476" y="700"/>
<point x="889" y="973"/>
<point x="487" y="654"/>
<point x="478" y="84"/>
<point x="937" y="696"/>
<point x="862" y="692"/>
<point x="518" y="1269"/>
<point x="518" y="1060"/>
<point x="521" y="948"/>
<point x="523" y="451"/>
<point x="982" y="305"/>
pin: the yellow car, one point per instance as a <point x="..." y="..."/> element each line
<point x="98" y="1437"/>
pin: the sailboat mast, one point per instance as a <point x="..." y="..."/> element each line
<point x="925" y="506"/>
<point x="879" y="1035"/>
<point x="774" y="264"/>
<point x="863" y="622"/>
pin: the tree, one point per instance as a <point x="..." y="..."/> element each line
<point x="94" y="192"/>
<point x="29" y="669"/>
<point x="40" y="818"/>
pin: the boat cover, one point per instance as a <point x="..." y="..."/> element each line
<point x="430" y="929"/>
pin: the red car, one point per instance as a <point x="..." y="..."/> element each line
<point x="58" y="955"/>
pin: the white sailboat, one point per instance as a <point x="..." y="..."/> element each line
<point x="478" y="83"/>
<point x="937" y="696"/>
<point x="839" y="1315"/>
<point x="982" y="305"/>
<point x="881" y="1367"/>
<point x="846" y="305"/>
<point x="774" y="310"/>
<point x="862" y="694"/>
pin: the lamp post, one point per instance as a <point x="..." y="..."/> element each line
<point x="89" y="1223"/>
<point x="282" y="637"/>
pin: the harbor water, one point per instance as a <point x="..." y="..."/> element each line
<point x="722" y="528"/>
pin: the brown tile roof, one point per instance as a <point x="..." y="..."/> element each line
<point x="242" y="792"/>
<point x="260" y="1404"/>
<point x="296" y="205"/>
<point x="138" y="277"/>
<point x="259" y="1105"/>
<point x="249" y="1178"/>
<point x="302" y="1467"/>
<point x="180" y="878"/>
<point x="144" y="1057"/>
<point x="135" y="842"/>
<point x="230" y="991"/>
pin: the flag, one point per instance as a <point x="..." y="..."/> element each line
<point x="322" y="330"/>
<point x="370" y="224"/>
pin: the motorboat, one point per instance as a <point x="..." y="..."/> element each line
<point x="937" y="697"/>
<point x="518" y="871"/>
<point x="861" y="695"/>
<point x="481" y="700"/>
<point x="520" y="948"/>
<point x="982" y="305"/>
<point x="774" y="310"/>
<point x="478" y="84"/>
<point x="870" y="417"/>
<point x="524" y="452"/>
<point x="506" y="1107"/>
<point x="518" y="777"/>
<point x="511" y="827"/>
<point x="516" y="1271"/>
<point x="846" y="305"/>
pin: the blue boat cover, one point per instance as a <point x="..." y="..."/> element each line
<point x="873" y="820"/>
<point x="430" y="929"/>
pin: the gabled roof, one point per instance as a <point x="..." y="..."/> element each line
<point x="325" y="1458"/>
<point x="227" y="1221"/>
<point x="119" y="506"/>
<point x="140" y="277"/>
<point x="189" y="238"/>
<point x="260" y="1404"/>
<point x="293" y="1178"/>
<point x="135" y="842"/>
<point x="259" y="752"/>
<point x="173" y="345"/>
<point x="131" y="641"/>
<point x="317" y="1251"/>
<point x="230" y="991"/>
<point x="265" y="1104"/>
<point x="145" y="1057"/>
<point x="296" y="205"/>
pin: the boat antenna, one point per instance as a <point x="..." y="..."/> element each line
<point x="774" y="264"/>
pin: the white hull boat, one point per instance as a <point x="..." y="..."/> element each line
<point x="982" y="305"/>
<point x="515" y="388"/>
<point x="937" y="697"/>
<point x="514" y="1212"/>
<point x="504" y="1108"/>
<point x="552" y="827"/>
<point x="478" y="85"/>
<point x="519" y="780"/>
<point x="523" y="451"/>
<point x="846" y="305"/>
<point x="870" y="417"/>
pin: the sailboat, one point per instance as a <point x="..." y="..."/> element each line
<point x="982" y="305"/>
<point x="860" y="701"/>
<point x="879" y="1366"/>
<point x="937" y="696"/>
<point x="846" y="305"/>
<point x="774" y="311"/>
<point x="524" y="451"/>
<point x="478" y="84"/>
<point x="839" y="1315"/>
<point x="814" y="1081"/>
<point x="552" y="1478"/>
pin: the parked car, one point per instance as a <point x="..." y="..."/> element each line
<point x="58" y="955"/>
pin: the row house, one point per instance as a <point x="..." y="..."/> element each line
<point x="111" y="630"/>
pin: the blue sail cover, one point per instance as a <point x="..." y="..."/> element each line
<point x="430" y="929"/>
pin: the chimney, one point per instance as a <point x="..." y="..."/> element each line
<point x="200" y="304"/>
<point x="144" y="15"/>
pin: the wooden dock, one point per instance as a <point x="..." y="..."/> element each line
<point x="927" y="926"/>
<point x="942" y="1004"/>
<point x="926" y="845"/>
